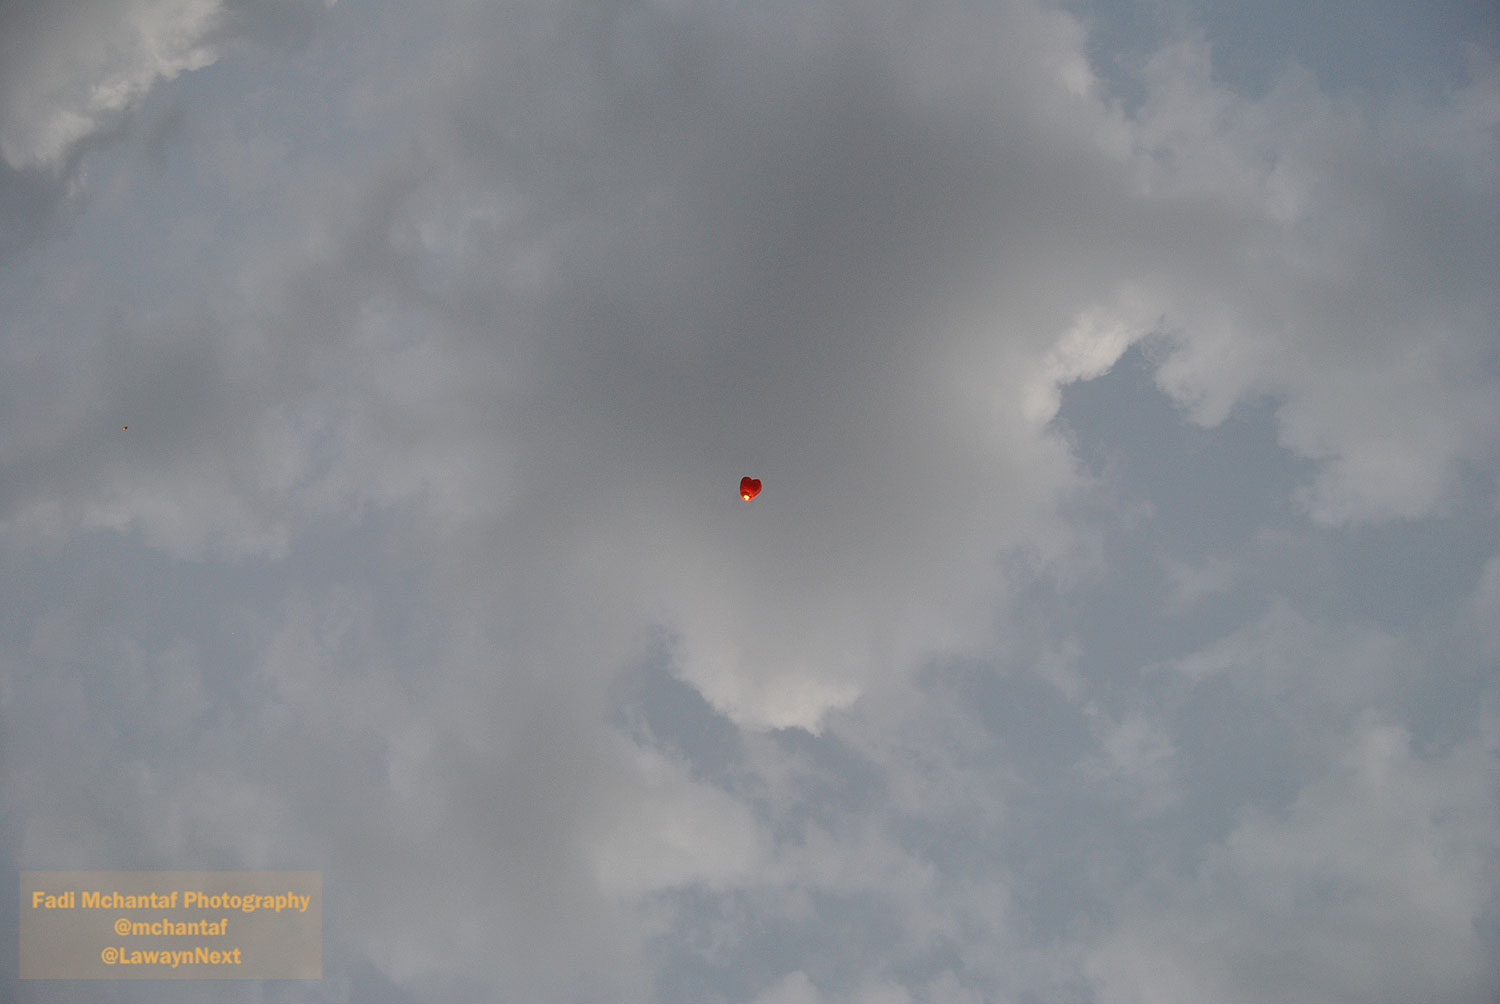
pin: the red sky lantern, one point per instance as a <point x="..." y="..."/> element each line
<point x="749" y="488"/>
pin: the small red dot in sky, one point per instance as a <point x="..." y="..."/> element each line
<point x="124" y="427"/>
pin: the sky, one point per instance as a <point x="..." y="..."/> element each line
<point x="1120" y="619"/>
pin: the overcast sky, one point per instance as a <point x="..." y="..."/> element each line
<point x="1120" y="619"/>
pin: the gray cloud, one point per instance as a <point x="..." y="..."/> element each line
<point x="1113" y="621"/>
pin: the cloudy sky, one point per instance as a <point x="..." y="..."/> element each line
<point x="1120" y="620"/>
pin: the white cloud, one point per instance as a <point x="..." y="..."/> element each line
<point x="795" y="988"/>
<point x="1137" y="762"/>
<point x="1089" y="349"/>
<point x="1358" y="284"/>
<point x="86" y="62"/>
<point x="1191" y="583"/>
<point x="671" y="831"/>
<point x="1315" y="673"/>
<point x="1364" y="889"/>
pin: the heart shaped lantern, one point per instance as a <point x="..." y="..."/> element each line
<point x="749" y="488"/>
